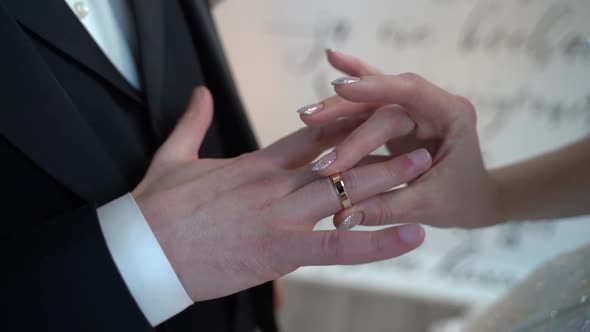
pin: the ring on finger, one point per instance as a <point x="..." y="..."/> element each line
<point x="341" y="191"/>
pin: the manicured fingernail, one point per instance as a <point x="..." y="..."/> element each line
<point x="351" y="221"/>
<point x="346" y="80"/>
<point x="411" y="234"/>
<point x="324" y="162"/>
<point x="310" y="109"/>
<point x="419" y="157"/>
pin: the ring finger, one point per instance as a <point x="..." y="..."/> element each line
<point x="319" y="198"/>
<point x="305" y="175"/>
<point x="406" y="205"/>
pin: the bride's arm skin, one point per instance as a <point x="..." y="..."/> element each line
<point x="553" y="185"/>
<point x="408" y="112"/>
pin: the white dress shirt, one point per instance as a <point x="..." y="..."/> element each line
<point x="135" y="250"/>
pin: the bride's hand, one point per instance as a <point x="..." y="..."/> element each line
<point x="408" y="112"/>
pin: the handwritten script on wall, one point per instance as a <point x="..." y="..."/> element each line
<point x="541" y="36"/>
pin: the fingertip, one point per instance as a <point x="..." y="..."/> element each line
<point x="311" y="109"/>
<point x="334" y="54"/>
<point x="311" y="120"/>
<point x="349" y="91"/>
<point x="331" y="53"/>
<point x="429" y="160"/>
<point x="201" y="106"/>
<point x="207" y="94"/>
<point x="412" y="235"/>
<point x="304" y="118"/>
<point x="186" y="138"/>
<point x="199" y="94"/>
<point x="336" y="222"/>
<point x="421" y="159"/>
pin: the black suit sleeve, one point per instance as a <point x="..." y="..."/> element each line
<point x="57" y="273"/>
<point x="61" y="277"/>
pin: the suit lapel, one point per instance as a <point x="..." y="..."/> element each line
<point x="235" y="126"/>
<point x="38" y="118"/>
<point x="69" y="37"/>
<point x="149" y="22"/>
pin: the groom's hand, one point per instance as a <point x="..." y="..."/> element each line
<point x="230" y="224"/>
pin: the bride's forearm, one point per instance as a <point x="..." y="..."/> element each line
<point x="553" y="185"/>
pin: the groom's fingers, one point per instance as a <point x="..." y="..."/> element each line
<point x="343" y="248"/>
<point x="186" y="138"/>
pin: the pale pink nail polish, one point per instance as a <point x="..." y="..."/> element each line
<point x="351" y="221"/>
<point x="411" y="234"/>
<point x="346" y="80"/>
<point x="324" y="162"/>
<point x="310" y="109"/>
<point x="419" y="157"/>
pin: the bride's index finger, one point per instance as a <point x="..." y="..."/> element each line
<point x="332" y="109"/>
<point x="335" y="107"/>
<point x="419" y="96"/>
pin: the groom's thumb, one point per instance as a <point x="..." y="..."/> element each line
<point x="184" y="142"/>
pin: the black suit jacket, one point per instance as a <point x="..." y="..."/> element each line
<point x="74" y="135"/>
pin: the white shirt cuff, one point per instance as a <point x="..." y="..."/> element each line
<point x="141" y="261"/>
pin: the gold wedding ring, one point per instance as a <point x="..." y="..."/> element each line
<point x="341" y="191"/>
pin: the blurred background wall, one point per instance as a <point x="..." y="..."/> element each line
<point x="524" y="64"/>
